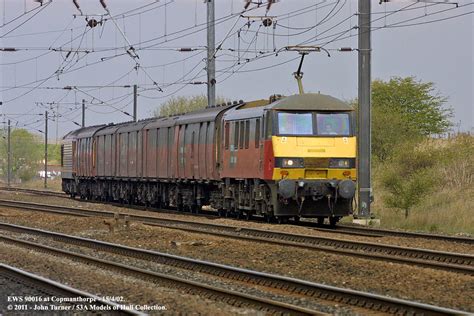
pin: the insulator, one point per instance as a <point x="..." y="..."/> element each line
<point x="92" y="23"/>
<point x="267" y="22"/>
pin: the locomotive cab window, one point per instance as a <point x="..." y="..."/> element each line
<point x="295" y="123"/>
<point x="333" y="124"/>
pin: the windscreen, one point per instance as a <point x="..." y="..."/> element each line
<point x="332" y="124"/>
<point x="295" y="123"/>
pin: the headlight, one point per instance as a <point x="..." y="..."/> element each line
<point x="289" y="163"/>
<point x="342" y="163"/>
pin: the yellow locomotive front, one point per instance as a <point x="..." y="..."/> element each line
<point x="314" y="148"/>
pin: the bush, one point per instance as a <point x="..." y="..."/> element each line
<point x="26" y="153"/>
<point x="418" y="169"/>
<point x="409" y="176"/>
<point x="26" y="173"/>
<point x="406" y="191"/>
<point x="456" y="161"/>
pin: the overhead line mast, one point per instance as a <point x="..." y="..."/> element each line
<point x="364" y="118"/>
<point x="211" y="59"/>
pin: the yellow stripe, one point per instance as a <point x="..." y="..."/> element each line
<point x="324" y="147"/>
<point x="320" y="173"/>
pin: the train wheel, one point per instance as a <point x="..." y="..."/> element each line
<point x="320" y="221"/>
<point x="333" y="221"/>
<point x="239" y="214"/>
<point x="296" y="219"/>
<point x="282" y="220"/>
<point x="269" y="218"/>
<point x="195" y="209"/>
<point x="248" y="215"/>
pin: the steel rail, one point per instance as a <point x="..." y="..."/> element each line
<point x="342" y="229"/>
<point x="35" y="191"/>
<point x="449" y="261"/>
<point x="398" y="233"/>
<point x="205" y="215"/>
<point x="230" y="297"/>
<point x="52" y="287"/>
<point x="281" y="283"/>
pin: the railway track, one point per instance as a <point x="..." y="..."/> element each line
<point x="204" y="214"/>
<point x="35" y="191"/>
<point x="449" y="261"/>
<point x="404" y="234"/>
<point x="343" y="229"/>
<point x="204" y="290"/>
<point x="46" y="287"/>
<point x="286" y="285"/>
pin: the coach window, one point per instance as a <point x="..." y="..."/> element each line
<point x="242" y="131"/>
<point x="247" y="134"/>
<point x="227" y="135"/>
<point x="257" y="133"/>
<point x="236" y="135"/>
<point x="94" y="152"/>
<point x="192" y="144"/>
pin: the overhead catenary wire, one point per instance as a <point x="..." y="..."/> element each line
<point x="27" y="20"/>
<point x="332" y="35"/>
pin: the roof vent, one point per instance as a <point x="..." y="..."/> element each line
<point x="275" y="97"/>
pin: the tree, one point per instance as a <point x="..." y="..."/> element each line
<point x="54" y="153"/>
<point x="409" y="177"/>
<point x="177" y="105"/>
<point x="404" y="109"/>
<point x="26" y="154"/>
<point x="421" y="108"/>
<point x="389" y="131"/>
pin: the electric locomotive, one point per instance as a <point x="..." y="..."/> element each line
<point x="300" y="154"/>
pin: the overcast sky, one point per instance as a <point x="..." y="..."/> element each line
<point x="404" y="44"/>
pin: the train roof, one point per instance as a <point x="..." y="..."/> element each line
<point x="297" y="102"/>
<point x="205" y="115"/>
<point x="166" y="121"/>
<point x="234" y="110"/>
<point x="133" y="126"/>
<point x="311" y="101"/>
<point x="84" y="132"/>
